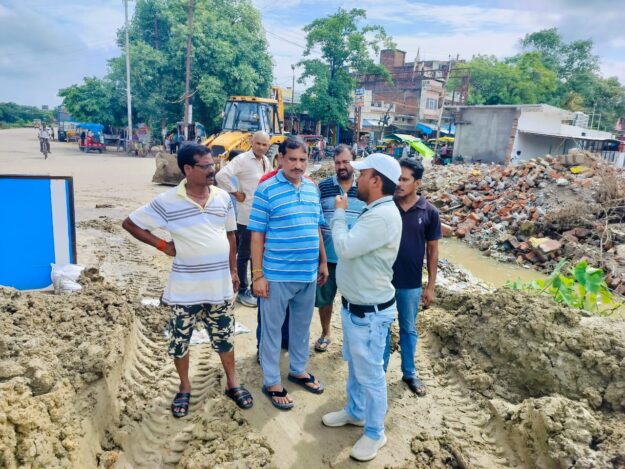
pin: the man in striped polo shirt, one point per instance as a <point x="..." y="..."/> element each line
<point x="288" y="259"/>
<point x="342" y="183"/>
<point x="200" y="219"/>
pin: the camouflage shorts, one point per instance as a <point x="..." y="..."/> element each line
<point x="218" y="321"/>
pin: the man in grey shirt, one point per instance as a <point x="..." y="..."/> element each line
<point x="364" y="274"/>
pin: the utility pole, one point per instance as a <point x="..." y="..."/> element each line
<point x="592" y="116"/>
<point x="293" y="99"/>
<point x="440" y="113"/>
<point x="385" y="120"/>
<point x="128" y="95"/>
<point x="188" y="78"/>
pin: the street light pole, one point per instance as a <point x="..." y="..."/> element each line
<point x="128" y="95"/>
<point x="293" y="99"/>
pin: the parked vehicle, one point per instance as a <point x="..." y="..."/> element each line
<point x="94" y="137"/>
<point x="67" y="131"/>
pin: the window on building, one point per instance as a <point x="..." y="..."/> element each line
<point x="431" y="103"/>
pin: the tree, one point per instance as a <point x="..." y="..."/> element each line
<point x="549" y="71"/>
<point x="565" y="59"/>
<point x="582" y="88"/>
<point x="345" y="50"/>
<point x="93" y="101"/>
<point x="229" y="58"/>
<point x="521" y="80"/>
<point x="16" y="114"/>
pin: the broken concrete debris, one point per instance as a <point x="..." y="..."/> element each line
<point x="535" y="212"/>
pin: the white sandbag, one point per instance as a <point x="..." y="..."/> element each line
<point x="65" y="278"/>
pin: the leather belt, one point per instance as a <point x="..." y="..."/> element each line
<point x="361" y="310"/>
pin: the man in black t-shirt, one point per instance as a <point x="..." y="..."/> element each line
<point x="421" y="230"/>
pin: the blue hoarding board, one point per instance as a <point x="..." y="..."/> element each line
<point x="37" y="214"/>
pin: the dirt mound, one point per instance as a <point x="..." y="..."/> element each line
<point x="167" y="170"/>
<point x="225" y="438"/>
<point x="533" y="347"/>
<point x="85" y="381"/>
<point x="556" y="432"/>
<point x="431" y="452"/>
<point x="52" y="348"/>
<point x="556" y="380"/>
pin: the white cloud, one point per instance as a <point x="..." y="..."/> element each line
<point x="457" y="17"/>
<point x="614" y="68"/>
<point x="465" y="44"/>
<point x="46" y="47"/>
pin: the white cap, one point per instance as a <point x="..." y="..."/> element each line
<point x="383" y="164"/>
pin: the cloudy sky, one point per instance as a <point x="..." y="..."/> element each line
<point x="46" y="45"/>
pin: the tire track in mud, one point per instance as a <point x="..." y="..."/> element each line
<point x="150" y="436"/>
<point x="467" y="417"/>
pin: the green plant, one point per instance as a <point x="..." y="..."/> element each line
<point x="583" y="288"/>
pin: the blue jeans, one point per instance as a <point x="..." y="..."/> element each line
<point x="407" y="309"/>
<point x="300" y="299"/>
<point x="363" y="349"/>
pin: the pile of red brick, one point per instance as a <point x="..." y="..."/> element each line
<point x="506" y="207"/>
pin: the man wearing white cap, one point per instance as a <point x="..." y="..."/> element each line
<point x="364" y="275"/>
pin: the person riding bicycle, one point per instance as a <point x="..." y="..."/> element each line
<point x="44" y="139"/>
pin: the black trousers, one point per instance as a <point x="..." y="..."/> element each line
<point x="243" y="254"/>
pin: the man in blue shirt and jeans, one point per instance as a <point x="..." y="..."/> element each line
<point x="421" y="230"/>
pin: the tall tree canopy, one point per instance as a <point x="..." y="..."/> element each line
<point x="229" y="58"/>
<point x="551" y="71"/>
<point x="345" y="49"/>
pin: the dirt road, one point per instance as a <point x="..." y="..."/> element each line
<point x="116" y="414"/>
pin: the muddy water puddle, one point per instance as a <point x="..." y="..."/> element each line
<point x="484" y="268"/>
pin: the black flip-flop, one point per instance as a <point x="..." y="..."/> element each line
<point x="181" y="401"/>
<point x="304" y="381"/>
<point x="240" y="396"/>
<point x="278" y="405"/>
<point x="416" y="385"/>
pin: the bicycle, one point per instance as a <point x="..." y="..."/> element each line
<point x="44" y="147"/>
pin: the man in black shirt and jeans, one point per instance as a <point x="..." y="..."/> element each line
<point x="420" y="234"/>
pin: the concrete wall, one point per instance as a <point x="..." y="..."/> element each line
<point x="483" y="134"/>
<point x="537" y="120"/>
<point x="533" y="146"/>
<point x="574" y="131"/>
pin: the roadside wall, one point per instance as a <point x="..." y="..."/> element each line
<point x="483" y="134"/>
<point x="532" y="145"/>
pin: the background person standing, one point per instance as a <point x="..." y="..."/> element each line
<point x="421" y="230"/>
<point x="342" y="183"/>
<point x="247" y="168"/>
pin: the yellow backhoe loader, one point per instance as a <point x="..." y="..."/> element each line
<point x="242" y="116"/>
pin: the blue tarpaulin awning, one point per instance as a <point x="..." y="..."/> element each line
<point x="427" y="129"/>
<point x="366" y="123"/>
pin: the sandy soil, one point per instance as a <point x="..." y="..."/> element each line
<point x="85" y="380"/>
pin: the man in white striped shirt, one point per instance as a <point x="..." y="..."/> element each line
<point x="200" y="219"/>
